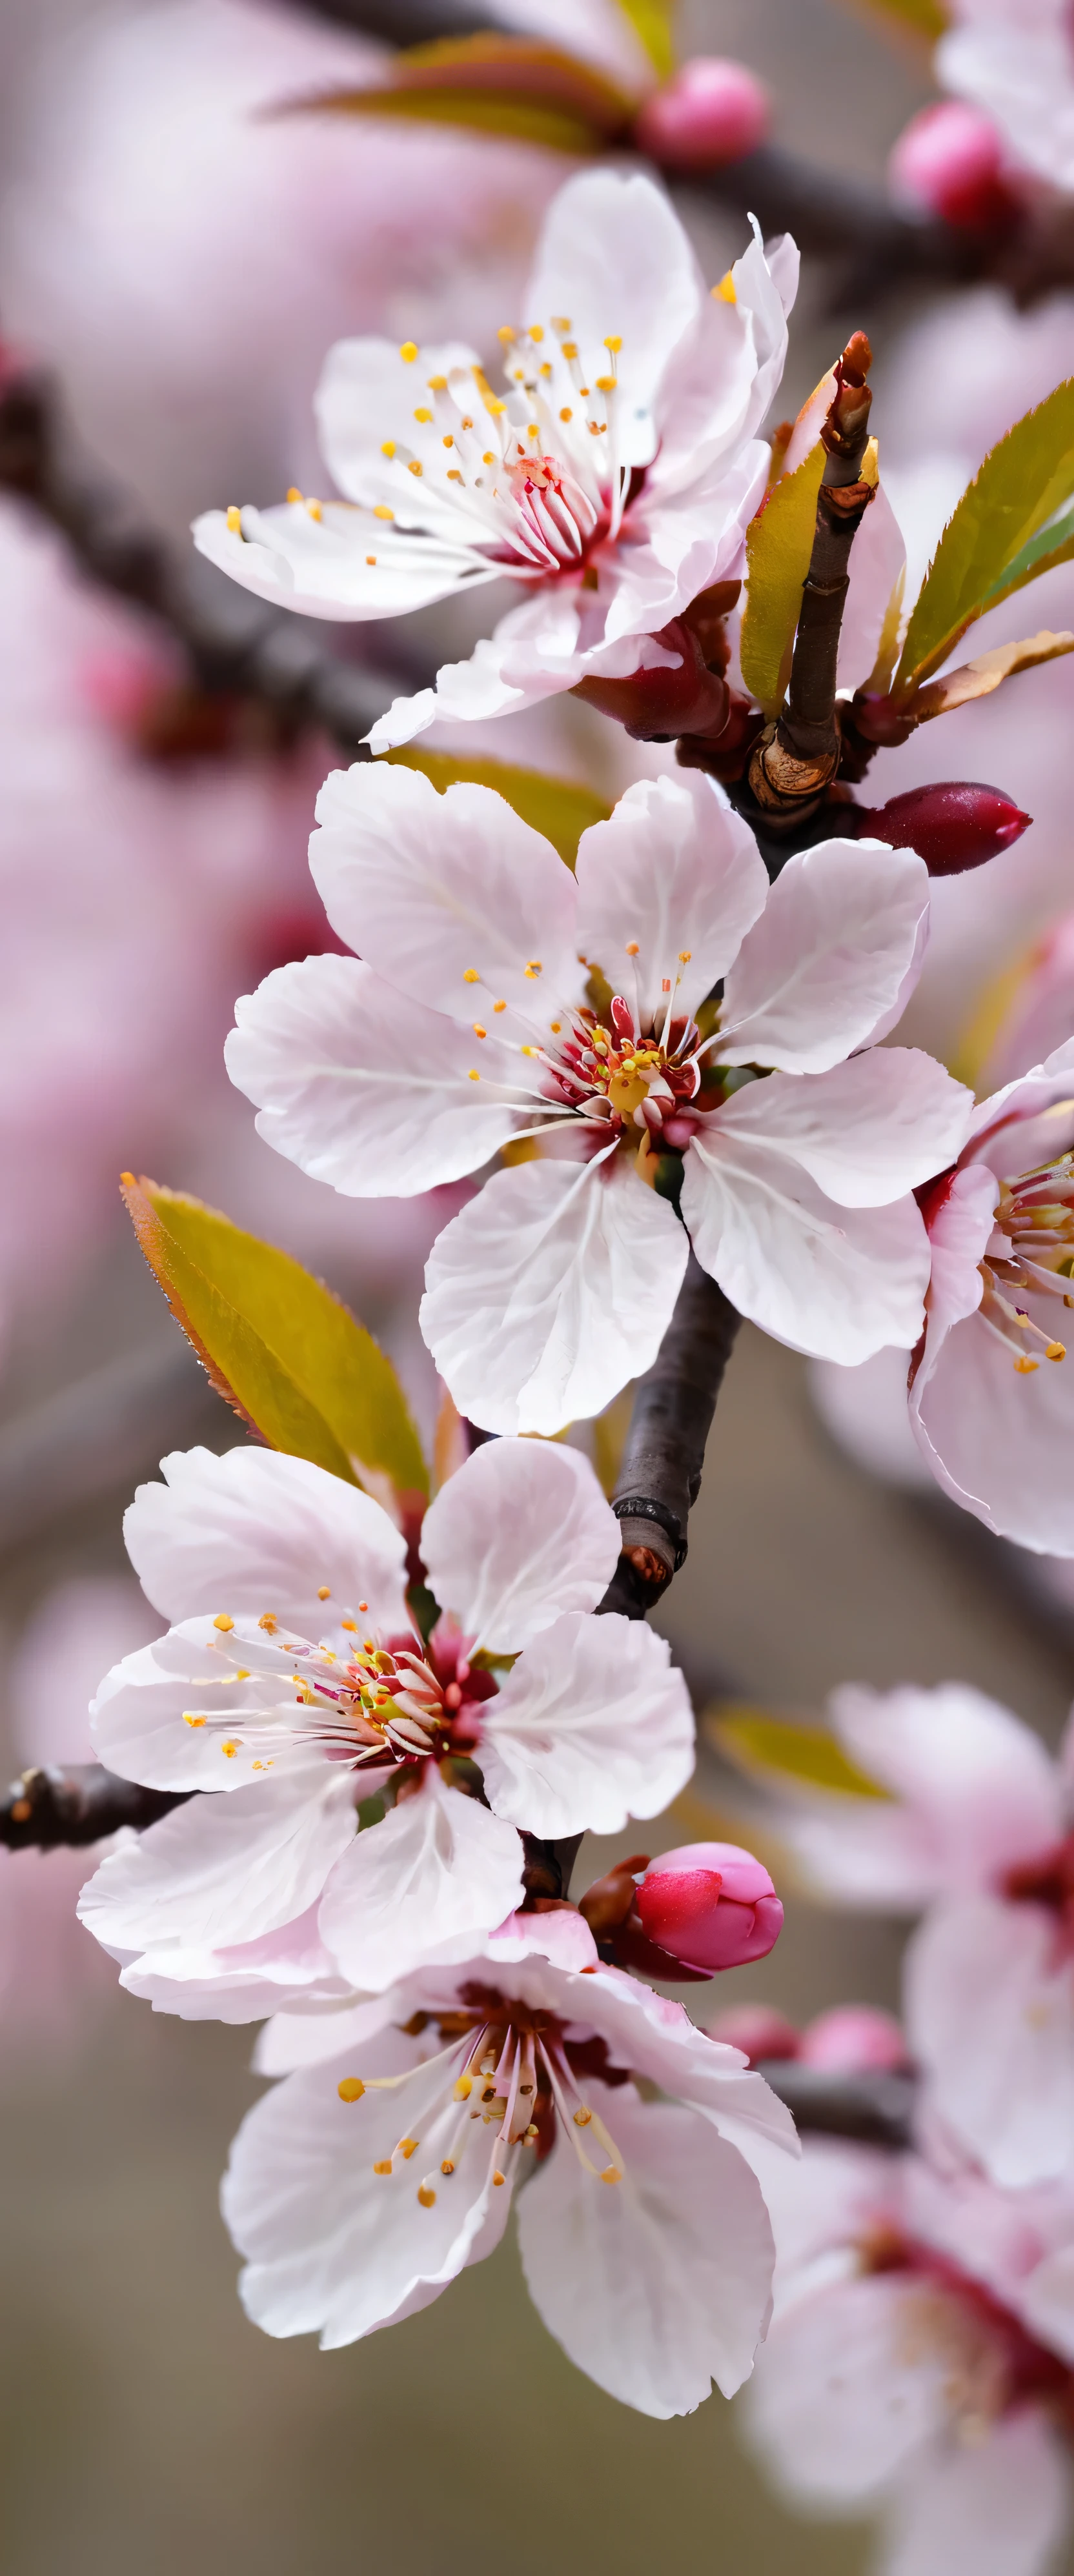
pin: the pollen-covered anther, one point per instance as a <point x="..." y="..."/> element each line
<point x="611" y="2173"/>
<point x="383" y="2165"/>
<point x="231" y="1747"/>
<point x="223" y="1621"/>
<point x="269" y="1622"/>
<point x="426" y="2194"/>
<point x="324" y="1592"/>
<point x="409" y="352"/>
<point x="479" y="1032"/>
<point x="189" y="1718"/>
<point x="406" y="2148"/>
<point x="350" y="2088"/>
<point x="582" y="2117"/>
<point x="533" y="966"/>
<point x="234" y="520"/>
<point x="388" y="447"/>
<point x="632" y="948"/>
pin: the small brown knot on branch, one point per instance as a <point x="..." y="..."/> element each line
<point x="797" y="758"/>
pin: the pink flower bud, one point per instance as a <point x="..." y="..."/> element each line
<point x="952" y="825"/>
<point x="949" y="161"/>
<point x="758" y="2030"/>
<point x="710" y="1905"/>
<point x="852" y="2037"/>
<point x="712" y="111"/>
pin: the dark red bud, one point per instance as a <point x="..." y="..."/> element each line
<point x="952" y="826"/>
<point x="658" y="705"/>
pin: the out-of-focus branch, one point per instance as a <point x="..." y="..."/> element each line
<point x="79" y="1804"/>
<point x="875" y="2107"/>
<point x="660" y="1475"/>
<point x="235" y="645"/>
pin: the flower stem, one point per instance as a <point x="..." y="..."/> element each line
<point x="660" y="1474"/>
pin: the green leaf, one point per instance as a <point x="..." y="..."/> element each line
<point x="278" y="1346"/>
<point x="652" y="22"/>
<point x="779" y="542"/>
<point x="554" y="806"/>
<point x="1054" y="545"/>
<point x="1021" y="485"/>
<point x="807" y="1756"/>
<point x="495" y="84"/>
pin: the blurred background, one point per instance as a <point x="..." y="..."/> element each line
<point x="178" y="266"/>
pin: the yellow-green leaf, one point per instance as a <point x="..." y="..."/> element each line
<point x="1021" y="485"/>
<point x="652" y="22"/>
<point x="494" y="84"/>
<point x="278" y="1346"/>
<point x="554" y="806"/>
<point x="926" y="17"/>
<point x="1054" y="545"/>
<point x="978" y="678"/>
<point x="779" y="542"/>
<point x="807" y="1757"/>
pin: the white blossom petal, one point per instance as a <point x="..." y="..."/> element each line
<point x="675" y="873"/>
<point x="836" y="1282"/>
<point x="990" y="2016"/>
<point x="1001" y="2507"/>
<point x="828" y="958"/>
<point x="996" y="1438"/>
<point x="520" y="1533"/>
<point x="592" y="1725"/>
<point x="850" y="2386"/>
<point x="866" y="1132"/>
<point x="659" y="2284"/>
<point x="366" y="398"/>
<point x="439" y="1865"/>
<point x="139" y="1719"/>
<point x="254" y="1530"/>
<point x="242" y="1982"/>
<point x="549" y="1292"/>
<point x="223" y="1870"/>
<point x="613" y="259"/>
<point x="431" y="888"/>
<point x="377" y="1095"/>
<point x="334" y="2247"/>
<point x="986" y="1790"/>
<point x="322" y="567"/>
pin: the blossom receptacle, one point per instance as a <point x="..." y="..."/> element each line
<point x="657" y="703"/>
<point x="713" y="111"/>
<point x="949" y="161"/>
<point x="953" y="824"/>
<point x="712" y="1905"/>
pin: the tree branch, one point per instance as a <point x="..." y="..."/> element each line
<point x="875" y="2106"/>
<point x="660" y="1474"/>
<point x="236" y="645"/>
<point x="81" y="1803"/>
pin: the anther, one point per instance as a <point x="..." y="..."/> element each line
<point x="567" y="413"/>
<point x="474" y="1075"/>
<point x="384" y="2166"/>
<point x="498" y="2177"/>
<point x="447" y="2166"/>
<point x="234" y="520"/>
<point x="1056" y="1351"/>
<point x="502" y="1006"/>
<point x="415" y="466"/>
<point x="614" y="343"/>
<point x="190" y="1720"/>
<point x="388" y="447"/>
<point x="324" y="1592"/>
<point x="685" y="955"/>
<point x="426" y="2194"/>
<point x="605" y="384"/>
<point x="231" y="1747"/>
<point x="423" y="414"/>
<point x="463" y="2088"/>
<point x="632" y="948"/>
<point x="611" y="2174"/>
<point x="350" y="2088"/>
<point x="409" y="351"/>
<point x="533" y="966"/>
<point x="269" y="1622"/>
<point x="448" y="441"/>
<point x="406" y="2147"/>
<point x="382" y="511"/>
<point x="470" y="975"/>
<point x="294" y="494"/>
<point x="222" y="1621"/>
<point x="350" y="1624"/>
<point x="314" y="510"/>
<point x="438" y="385"/>
<point x="582" y="2117"/>
<point x="1024" y="1365"/>
<point x="371" y="559"/>
<point x="505" y="332"/>
<point x="479" y="1032"/>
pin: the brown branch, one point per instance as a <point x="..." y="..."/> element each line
<point x="660" y="1475"/>
<point x="81" y="1803"/>
<point x="875" y="2106"/>
<point x="237" y="647"/>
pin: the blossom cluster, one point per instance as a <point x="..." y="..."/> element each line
<point x="382" y="1729"/>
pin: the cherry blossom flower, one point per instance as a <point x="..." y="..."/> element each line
<point x="920" y="2358"/>
<point x="972" y="1821"/>
<point x="183" y="259"/>
<point x="1015" y="59"/>
<point x="467" y="1026"/>
<point x="991" y="1405"/>
<point x="614" y="480"/>
<point x="367" y="2181"/>
<point x="307" y="1688"/>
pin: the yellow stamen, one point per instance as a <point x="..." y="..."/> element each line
<point x="314" y="510"/>
<point x="479" y="1032"/>
<point x="234" y="520"/>
<point x="382" y="511"/>
<point x="605" y="384"/>
<point x="268" y="1621"/>
<point x="351" y="2088"/>
<point x="614" y="344"/>
<point x="1056" y="1351"/>
<point x="388" y="447"/>
<point x="426" y="2195"/>
<point x="422" y="414"/>
<point x="632" y="948"/>
<point x="190" y="1720"/>
<point x="610" y="2174"/>
<point x="437" y="384"/>
<point x="1025" y="1366"/>
<point x="685" y="955"/>
<point x="231" y="1747"/>
<point x="463" y="2088"/>
<point x="567" y="414"/>
<point x="406" y="2148"/>
<point x="294" y="493"/>
<point x="324" y="1592"/>
<point x="371" y="559"/>
<point x="415" y="466"/>
<point x="502" y="1006"/>
<point x="447" y="2166"/>
<point x="448" y="441"/>
<point x="470" y="975"/>
<point x="570" y="348"/>
<point x="222" y="1621"/>
<point x="350" y="1624"/>
<point x="505" y="332"/>
<point x="725" y="293"/>
<point x="384" y="2166"/>
<point x="409" y="351"/>
<point x="498" y="2177"/>
<point x="582" y="2117"/>
<point x="474" y="1075"/>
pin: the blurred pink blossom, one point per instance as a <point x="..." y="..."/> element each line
<point x="919" y="2360"/>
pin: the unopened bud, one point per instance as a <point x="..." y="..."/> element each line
<point x="851" y="2038"/>
<point x="758" y="2030"/>
<point x="712" y="1905"/>
<point x="713" y="111"/>
<point x="657" y="705"/>
<point x="952" y="826"/>
<point x="949" y="162"/>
